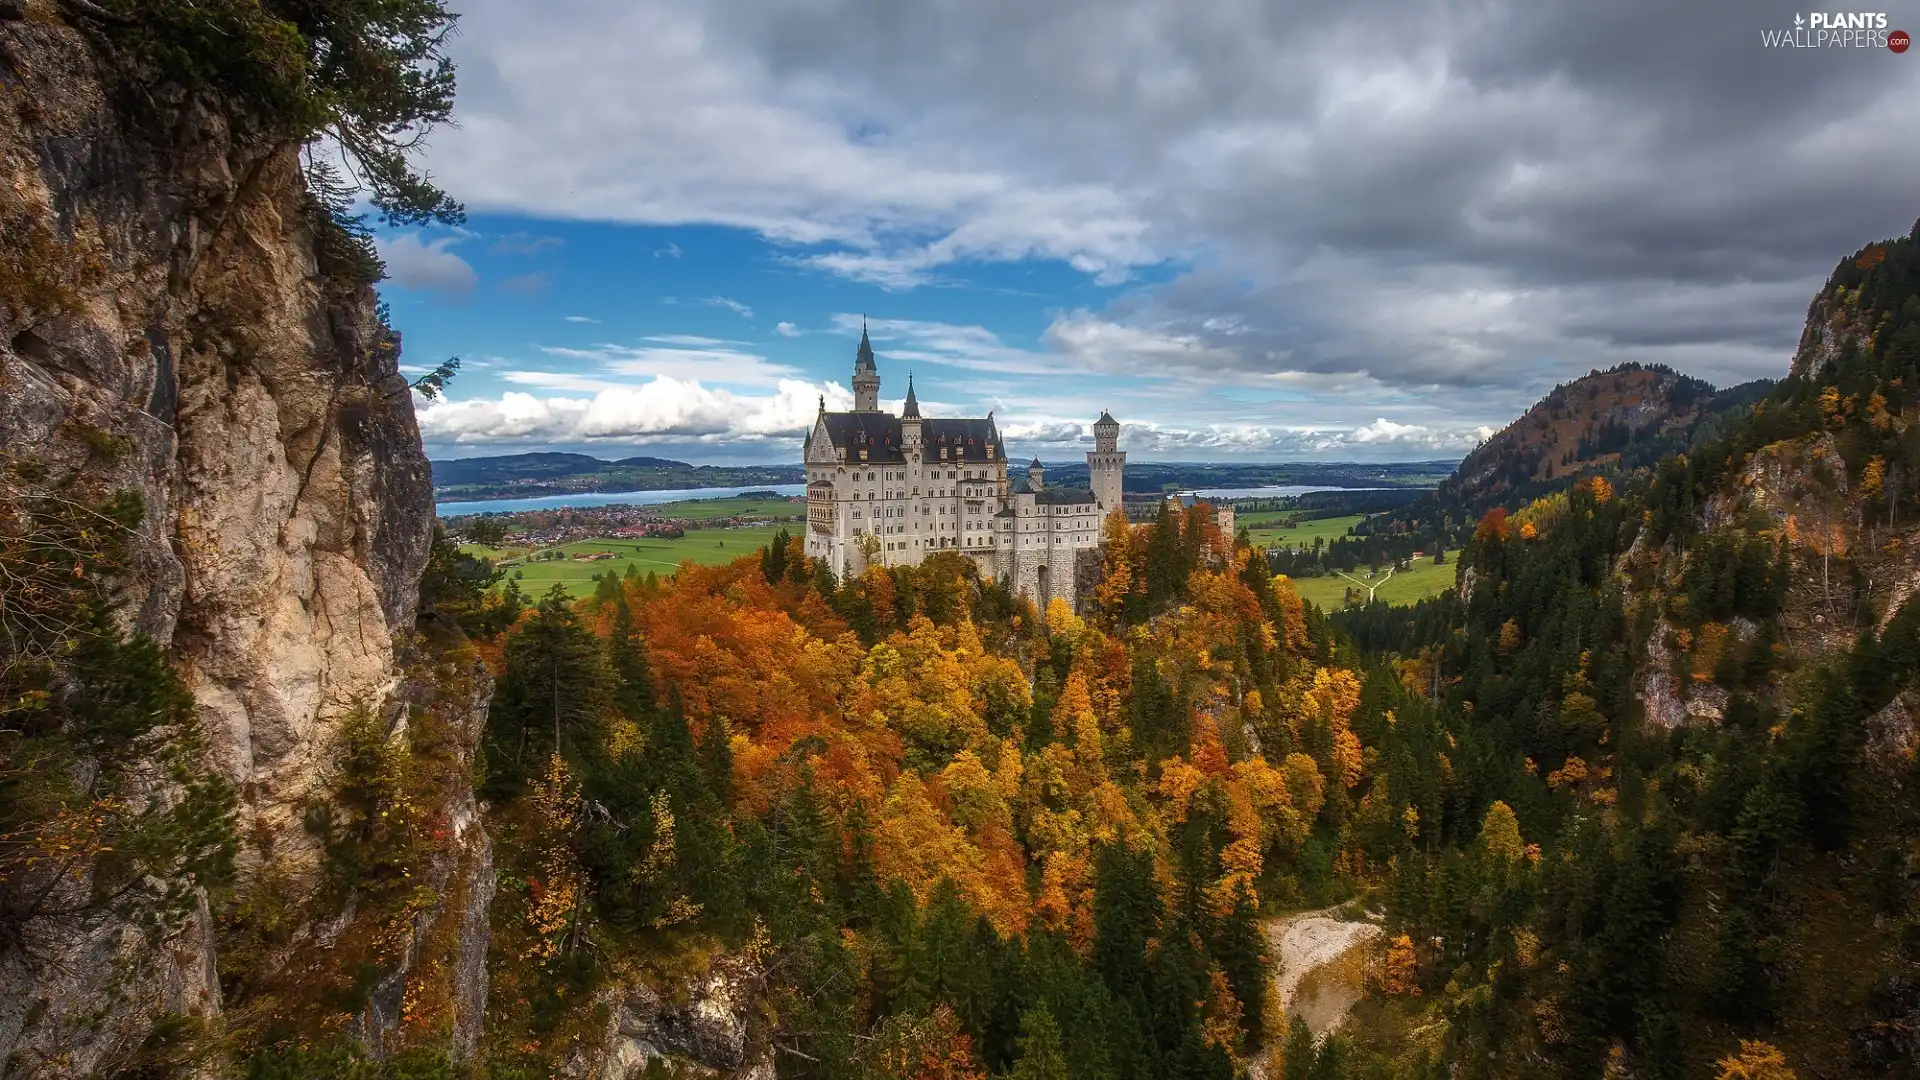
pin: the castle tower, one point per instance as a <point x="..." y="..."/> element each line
<point x="866" y="378"/>
<point x="910" y="420"/>
<point x="1036" y="474"/>
<point x="1106" y="463"/>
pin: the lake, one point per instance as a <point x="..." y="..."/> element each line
<point x="607" y="498"/>
<point x="1275" y="492"/>
<point x="654" y="498"/>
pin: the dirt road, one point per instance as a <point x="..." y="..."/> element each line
<point x="1307" y="942"/>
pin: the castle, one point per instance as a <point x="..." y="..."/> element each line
<point x="892" y="490"/>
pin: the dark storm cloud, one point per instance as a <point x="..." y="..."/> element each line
<point x="1493" y="195"/>
<point x="1617" y="154"/>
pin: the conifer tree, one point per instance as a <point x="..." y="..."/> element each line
<point x="1040" y="1055"/>
<point x="553" y="687"/>
<point x="627" y="659"/>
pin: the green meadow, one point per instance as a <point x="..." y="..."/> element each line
<point x="1404" y="587"/>
<point x="711" y="547"/>
<point x="708" y="547"/>
<point x="1264" y="529"/>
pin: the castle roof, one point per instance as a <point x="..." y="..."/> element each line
<point x="966" y="439"/>
<point x="1106" y="420"/>
<point x="912" y="409"/>
<point x="1035" y="464"/>
<point x="879" y="434"/>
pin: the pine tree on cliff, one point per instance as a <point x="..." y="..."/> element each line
<point x="552" y="689"/>
<point x="357" y="80"/>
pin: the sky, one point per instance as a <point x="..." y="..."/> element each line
<point x="1368" y="231"/>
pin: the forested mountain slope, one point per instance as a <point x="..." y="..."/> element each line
<point x="1695" y="695"/>
<point x="1604" y="423"/>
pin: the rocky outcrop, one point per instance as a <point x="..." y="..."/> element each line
<point x="706" y="1029"/>
<point x="444" y="954"/>
<point x="164" y="330"/>
<point x="1893" y="733"/>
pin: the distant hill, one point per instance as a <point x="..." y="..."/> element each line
<point x="510" y="476"/>
<point x="518" y="476"/>
<point x="510" y="467"/>
<point x="1157" y="476"/>
<point x="1618" y="420"/>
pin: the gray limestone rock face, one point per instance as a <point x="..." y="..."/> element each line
<point x="706" y="1028"/>
<point x="169" y="306"/>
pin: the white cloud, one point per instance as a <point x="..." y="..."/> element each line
<point x="1407" y="193"/>
<point x="691" y="339"/>
<point x="787" y="329"/>
<point x="709" y="364"/>
<point x="560" y="380"/>
<point x="427" y="265"/>
<point x="582" y="319"/>
<point x="667" y="409"/>
<point x="734" y="306"/>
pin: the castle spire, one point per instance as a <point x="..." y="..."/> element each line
<point x="863" y="360"/>
<point x="912" y="409"/>
<point x="866" y="377"/>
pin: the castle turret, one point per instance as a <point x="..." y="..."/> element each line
<point x="866" y="378"/>
<point x="1106" y="463"/>
<point x="910" y="419"/>
<point x="1036" y="474"/>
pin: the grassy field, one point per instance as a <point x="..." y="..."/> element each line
<point x="1404" y="587"/>
<point x="709" y="547"/>
<point x="1261" y="527"/>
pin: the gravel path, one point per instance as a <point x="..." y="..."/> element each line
<point x="1299" y="944"/>
<point x="1305" y="941"/>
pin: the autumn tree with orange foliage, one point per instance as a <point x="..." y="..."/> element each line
<point x="910" y="773"/>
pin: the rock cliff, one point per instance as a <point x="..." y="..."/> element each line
<point x="165" y="330"/>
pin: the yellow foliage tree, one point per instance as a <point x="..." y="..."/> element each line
<point x="1500" y="834"/>
<point x="1509" y="639"/>
<point x="554" y="893"/>
<point x="1400" y="970"/>
<point x="1178" y="781"/>
<point x="1073" y="717"/>
<point x="1308" y="789"/>
<point x="1220" y="1020"/>
<point x="1291" y="627"/>
<point x="1335" y="694"/>
<point x="976" y="797"/>
<point x="1117" y="582"/>
<point x="1332" y="698"/>
<point x="1873" y="479"/>
<point x="1066" y="896"/>
<point x="1063" y="623"/>
<point x="1755" y="1061"/>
